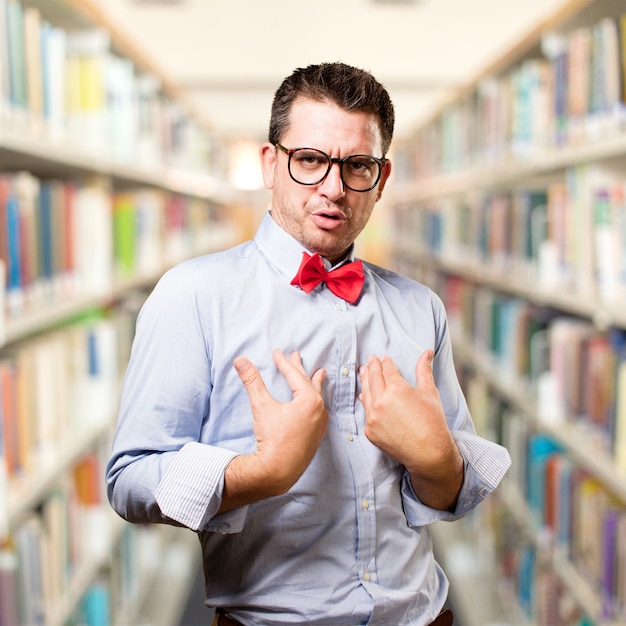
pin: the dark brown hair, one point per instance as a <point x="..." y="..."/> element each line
<point x="349" y="87"/>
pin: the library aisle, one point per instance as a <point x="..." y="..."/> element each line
<point x="513" y="211"/>
<point x="508" y="200"/>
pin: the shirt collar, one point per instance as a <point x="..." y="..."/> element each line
<point x="283" y="250"/>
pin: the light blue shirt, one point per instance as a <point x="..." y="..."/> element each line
<point x="349" y="543"/>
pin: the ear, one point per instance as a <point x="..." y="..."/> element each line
<point x="384" y="176"/>
<point x="267" y="153"/>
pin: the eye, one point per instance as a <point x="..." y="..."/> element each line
<point x="361" y="166"/>
<point x="310" y="159"/>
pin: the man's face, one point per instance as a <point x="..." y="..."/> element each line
<point x="327" y="217"/>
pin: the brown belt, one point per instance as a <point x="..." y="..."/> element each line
<point x="445" y="618"/>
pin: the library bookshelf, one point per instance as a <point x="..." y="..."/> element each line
<point x="510" y="204"/>
<point x="103" y="187"/>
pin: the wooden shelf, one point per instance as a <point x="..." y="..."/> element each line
<point x="26" y="492"/>
<point x="62" y="159"/>
<point x="517" y="284"/>
<point x="610" y="150"/>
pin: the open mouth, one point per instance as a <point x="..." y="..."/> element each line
<point x="328" y="220"/>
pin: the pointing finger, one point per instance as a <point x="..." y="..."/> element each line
<point x="389" y="369"/>
<point x="295" y="375"/>
<point x="372" y="379"/>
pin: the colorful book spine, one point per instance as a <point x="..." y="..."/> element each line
<point x="8" y="587"/>
<point x="573" y="93"/>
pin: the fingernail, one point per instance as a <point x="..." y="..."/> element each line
<point x="241" y="364"/>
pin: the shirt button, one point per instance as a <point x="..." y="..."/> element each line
<point x="367" y="576"/>
<point x="338" y="306"/>
<point x="365" y="503"/>
<point x="350" y="437"/>
<point x="346" y="372"/>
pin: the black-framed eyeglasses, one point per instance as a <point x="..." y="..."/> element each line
<point x="309" y="166"/>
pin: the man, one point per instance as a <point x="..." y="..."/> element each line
<point x="308" y="434"/>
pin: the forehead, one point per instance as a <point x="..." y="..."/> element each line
<point x="325" y="125"/>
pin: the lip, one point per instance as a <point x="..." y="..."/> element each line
<point x="328" y="219"/>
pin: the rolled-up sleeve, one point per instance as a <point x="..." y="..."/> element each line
<point x="191" y="490"/>
<point x="486" y="463"/>
<point x="164" y="402"/>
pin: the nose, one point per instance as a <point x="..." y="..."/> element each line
<point x="332" y="186"/>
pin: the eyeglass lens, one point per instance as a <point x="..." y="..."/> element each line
<point x="309" y="167"/>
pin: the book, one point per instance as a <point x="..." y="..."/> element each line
<point x="606" y="246"/>
<point x="16" y="55"/>
<point x="87" y="476"/>
<point x="598" y="385"/>
<point x="28" y="543"/>
<point x="93" y="237"/>
<point x="580" y="180"/>
<point x="120" y="86"/>
<point x="67" y="237"/>
<point x="8" y="397"/>
<point x="5" y="90"/>
<point x="125" y="223"/>
<point x="567" y="339"/>
<point x="609" y="584"/>
<point x="554" y="268"/>
<point x="96" y="605"/>
<point x="87" y="59"/>
<point x="32" y="23"/>
<point x="26" y="417"/>
<point x="46" y="240"/>
<point x="618" y="203"/>
<point x="619" y="449"/>
<point x="531" y="88"/>
<point x="15" y="294"/>
<point x="540" y="449"/>
<point x="149" y="246"/>
<point x="579" y="45"/>
<point x="559" y="58"/>
<point x="524" y="242"/>
<point x="150" y="148"/>
<point x="4" y="475"/>
<point x="8" y="587"/>
<point x="93" y="513"/>
<point x="52" y="42"/>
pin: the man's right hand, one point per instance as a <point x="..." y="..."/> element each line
<point x="287" y="433"/>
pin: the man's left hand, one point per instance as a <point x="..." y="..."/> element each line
<point x="409" y="424"/>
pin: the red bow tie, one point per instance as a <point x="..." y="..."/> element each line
<point x="345" y="282"/>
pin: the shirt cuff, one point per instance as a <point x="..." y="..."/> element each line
<point x="190" y="491"/>
<point x="486" y="463"/>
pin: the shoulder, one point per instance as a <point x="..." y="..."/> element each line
<point x="192" y="279"/>
<point x="404" y="293"/>
<point x="211" y="264"/>
<point x="408" y="286"/>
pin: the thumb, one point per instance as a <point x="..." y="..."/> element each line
<point x="249" y="375"/>
<point x="423" y="368"/>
